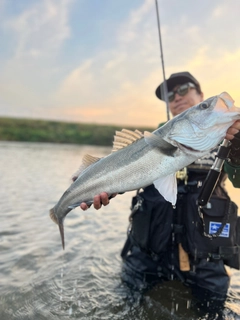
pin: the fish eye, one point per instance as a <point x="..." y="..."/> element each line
<point x="204" y="105"/>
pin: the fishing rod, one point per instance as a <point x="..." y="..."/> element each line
<point x="164" y="90"/>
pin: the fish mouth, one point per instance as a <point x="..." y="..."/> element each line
<point x="189" y="148"/>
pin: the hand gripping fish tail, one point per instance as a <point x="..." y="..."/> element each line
<point x="60" y="225"/>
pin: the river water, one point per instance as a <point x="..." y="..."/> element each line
<point x="38" y="280"/>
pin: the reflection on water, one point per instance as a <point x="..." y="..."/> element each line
<point x="41" y="281"/>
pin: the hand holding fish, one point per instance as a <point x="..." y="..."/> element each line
<point x="233" y="130"/>
<point x="233" y="134"/>
<point x="98" y="201"/>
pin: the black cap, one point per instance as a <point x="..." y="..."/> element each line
<point x="176" y="79"/>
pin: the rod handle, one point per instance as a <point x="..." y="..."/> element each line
<point x="208" y="187"/>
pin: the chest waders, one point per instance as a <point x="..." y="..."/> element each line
<point x="209" y="232"/>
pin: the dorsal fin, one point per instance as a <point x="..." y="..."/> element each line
<point x="87" y="161"/>
<point x="118" y="145"/>
<point x="124" y="138"/>
<point x="136" y="134"/>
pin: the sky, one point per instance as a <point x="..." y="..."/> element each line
<point x="99" y="62"/>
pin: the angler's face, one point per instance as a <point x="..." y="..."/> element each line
<point x="182" y="103"/>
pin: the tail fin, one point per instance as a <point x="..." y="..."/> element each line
<point x="60" y="225"/>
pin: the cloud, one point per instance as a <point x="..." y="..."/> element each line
<point x="111" y="80"/>
<point x="36" y="34"/>
<point x="118" y="85"/>
<point x="218" y="12"/>
<point x="130" y="29"/>
<point x="116" y="82"/>
<point x="77" y="85"/>
<point x="215" y="73"/>
<point x="41" y="28"/>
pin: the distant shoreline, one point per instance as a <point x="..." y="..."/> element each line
<point x="30" y="130"/>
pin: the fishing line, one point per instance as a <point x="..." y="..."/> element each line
<point x="164" y="91"/>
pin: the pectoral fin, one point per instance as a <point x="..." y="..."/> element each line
<point x="167" y="187"/>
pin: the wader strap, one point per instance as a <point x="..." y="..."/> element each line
<point x="224" y="251"/>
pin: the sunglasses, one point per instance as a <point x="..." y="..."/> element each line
<point x="182" y="90"/>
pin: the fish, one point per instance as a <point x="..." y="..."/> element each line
<point x="141" y="159"/>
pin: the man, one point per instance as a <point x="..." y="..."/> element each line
<point x="167" y="243"/>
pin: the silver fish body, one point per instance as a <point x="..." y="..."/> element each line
<point x="153" y="158"/>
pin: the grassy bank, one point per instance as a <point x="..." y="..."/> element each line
<point x="13" y="129"/>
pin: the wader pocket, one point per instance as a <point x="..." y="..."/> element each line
<point x="140" y="219"/>
<point x="214" y="213"/>
<point x="161" y="226"/>
<point x="151" y="221"/>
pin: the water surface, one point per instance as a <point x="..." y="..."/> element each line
<point x="38" y="280"/>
